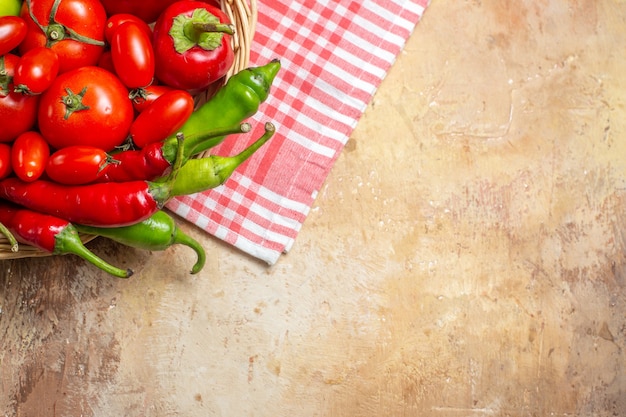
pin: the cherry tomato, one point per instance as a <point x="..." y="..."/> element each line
<point x="12" y="33"/>
<point x="29" y="156"/>
<point x="10" y="7"/>
<point x="149" y="95"/>
<point x="5" y="160"/>
<point x="86" y="106"/>
<point x="77" y="165"/>
<point x="133" y="57"/>
<point x="36" y="70"/>
<point x="75" y="30"/>
<point x="162" y="118"/>
<point x="18" y="112"/>
<point x="117" y="20"/>
<point x="148" y="11"/>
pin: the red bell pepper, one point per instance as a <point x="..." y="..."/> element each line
<point x="192" y="45"/>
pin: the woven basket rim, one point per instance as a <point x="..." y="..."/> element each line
<point x="243" y="16"/>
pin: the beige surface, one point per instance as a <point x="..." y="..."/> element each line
<point x="464" y="258"/>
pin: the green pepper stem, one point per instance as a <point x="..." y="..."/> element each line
<point x="234" y="102"/>
<point x="181" y="238"/>
<point x="195" y="140"/>
<point x="225" y="166"/>
<point x="5" y="79"/>
<point x="201" y="174"/>
<point x="202" y="29"/>
<point x="162" y="190"/>
<point x="195" y="29"/>
<point x="7" y="233"/>
<point x="68" y="241"/>
<point x="156" y="233"/>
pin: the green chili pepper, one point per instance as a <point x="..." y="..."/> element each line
<point x="234" y="102"/>
<point x="201" y="174"/>
<point x="156" y="233"/>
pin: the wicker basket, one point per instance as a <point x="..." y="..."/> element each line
<point x="243" y="15"/>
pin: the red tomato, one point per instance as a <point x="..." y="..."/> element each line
<point x="29" y="156"/>
<point x="36" y="70"/>
<point x="5" y="160"/>
<point x="148" y="11"/>
<point x="85" y="18"/>
<point x="12" y="33"/>
<point x="133" y="57"/>
<point x="117" y="20"/>
<point x="86" y="106"/>
<point x="77" y="165"/>
<point x="18" y="112"/>
<point x="162" y="118"/>
<point x="149" y="95"/>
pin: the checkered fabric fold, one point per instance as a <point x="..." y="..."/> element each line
<point x="334" y="54"/>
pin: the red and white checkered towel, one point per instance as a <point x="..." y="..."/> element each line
<point x="334" y="54"/>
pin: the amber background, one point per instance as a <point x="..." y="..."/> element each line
<point x="465" y="257"/>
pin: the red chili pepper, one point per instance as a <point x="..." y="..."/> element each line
<point x="103" y="204"/>
<point x="51" y="234"/>
<point x="145" y="164"/>
<point x="155" y="159"/>
<point x="116" y="204"/>
<point x="110" y="204"/>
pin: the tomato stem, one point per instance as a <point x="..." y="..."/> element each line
<point x="54" y="9"/>
<point x="22" y="89"/>
<point x="56" y="32"/>
<point x="5" y="79"/>
<point x="109" y="160"/>
<point x="84" y="39"/>
<point x="138" y="95"/>
<point x="33" y="18"/>
<point x="73" y="102"/>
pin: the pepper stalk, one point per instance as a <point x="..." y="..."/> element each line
<point x="201" y="29"/>
<point x="156" y="233"/>
<point x="201" y="174"/>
